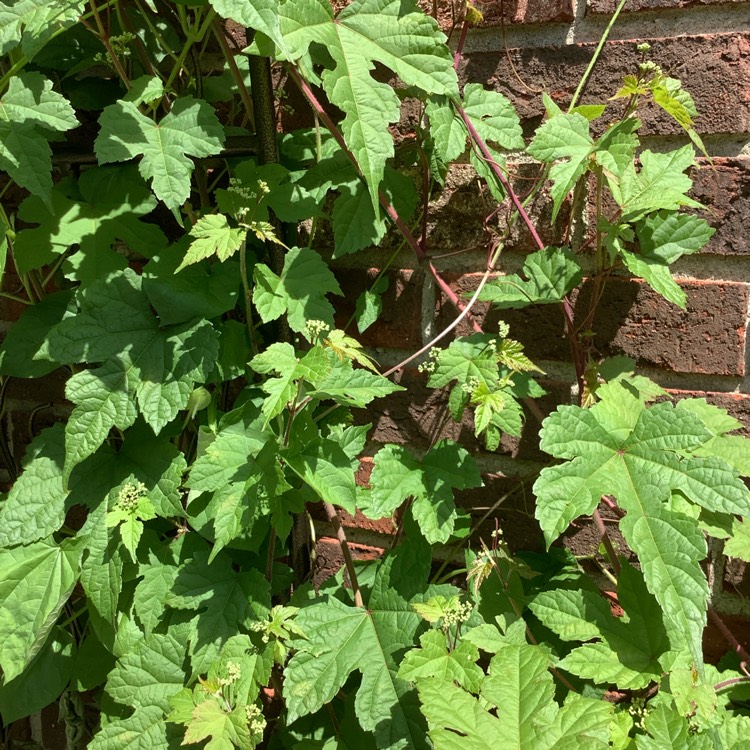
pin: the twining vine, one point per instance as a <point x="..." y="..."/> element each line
<point x="155" y="549"/>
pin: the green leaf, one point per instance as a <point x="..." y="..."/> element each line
<point x="397" y="476"/>
<point x="563" y="136"/>
<point x="668" y="730"/>
<point x="42" y="682"/>
<point x="620" y="448"/>
<point x="326" y="469"/>
<point x="35" y="507"/>
<point x="144" y="678"/>
<point x="35" y="583"/>
<point x="299" y="291"/>
<point x="370" y="304"/>
<point x="30" y="111"/>
<point x="227" y="730"/>
<point x="433" y="659"/>
<point x="738" y="545"/>
<point x="144" y="364"/>
<point x="550" y="275"/>
<point x="657" y="275"/>
<point x="351" y="387"/>
<point x="102" y="208"/>
<point x="32" y="23"/>
<point x="447" y="129"/>
<point x="24" y="352"/>
<point x="393" y="33"/>
<point x="342" y="639"/>
<point x="213" y="236"/>
<point x="203" y="290"/>
<point x="190" y="129"/>
<point x="224" y="600"/>
<point x="101" y="571"/>
<point x="493" y="116"/>
<point x="660" y="184"/>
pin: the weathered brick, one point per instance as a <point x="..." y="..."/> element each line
<point x="458" y="214"/>
<point x="329" y="559"/>
<point x="400" y="322"/>
<point x="608" y="6"/>
<point x="714" y="68"/>
<point x="632" y="319"/>
<point x="724" y="189"/>
<point x="496" y="12"/>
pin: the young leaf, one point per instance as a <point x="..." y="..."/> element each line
<point x="550" y="275"/>
<point x="299" y="291"/>
<point x="391" y="32"/>
<point x="213" y="236"/>
<point x="563" y="136"/>
<point x="190" y="129"/>
<point x="29" y="112"/>
<point x="493" y="116"/>
<point x="661" y="183"/>
<point x="433" y="659"/>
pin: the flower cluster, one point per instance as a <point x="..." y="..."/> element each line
<point x="471" y="385"/>
<point x="255" y="719"/>
<point x="315" y="328"/>
<point x="457" y="614"/>
<point x="129" y="495"/>
<point x="233" y="674"/>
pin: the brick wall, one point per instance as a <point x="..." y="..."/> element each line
<point x="523" y="46"/>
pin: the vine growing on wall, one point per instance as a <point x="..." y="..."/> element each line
<point x="154" y="552"/>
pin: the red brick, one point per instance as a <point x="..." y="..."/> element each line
<point x="496" y="12"/>
<point x="724" y="190"/>
<point x="457" y="215"/>
<point x="399" y="324"/>
<point x="608" y="6"/>
<point x="632" y="319"/>
<point x="699" y="61"/>
<point x="329" y="558"/>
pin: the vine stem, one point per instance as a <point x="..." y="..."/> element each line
<point x="333" y="517"/>
<point x="597" y="52"/>
<point x="566" y="306"/>
<point x="463" y="314"/>
<point x="739" y="649"/>
<point x="611" y="553"/>
<point x="382" y="198"/>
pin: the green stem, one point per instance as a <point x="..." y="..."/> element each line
<point x="597" y="52"/>
<point x="248" y="298"/>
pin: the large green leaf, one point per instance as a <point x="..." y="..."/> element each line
<point x="520" y="689"/>
<point x="32" y="23"/>
<point x="30" y="111"/>
<point x="261" y="15"/>
<point x="224" y="599"/>
<point x="621" y="448"/>
<point x="300" y="291"/>
<point x="35" y="583"/>
<point x="628" y="649"/>
<point x="341" y="639"/>
<point x="144" y="364"/>
<point x="393" y="33"/>
<point x="144" y="679"/>
<point x="107" y="209"/>
<point x="190" y="129"/>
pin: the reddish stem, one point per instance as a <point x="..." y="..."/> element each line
<point x="411" y="240"/>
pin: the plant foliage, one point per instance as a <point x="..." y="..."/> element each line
<point x="158" y="544"/>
